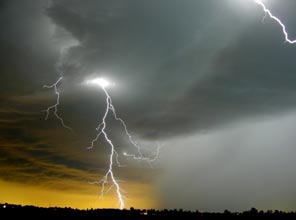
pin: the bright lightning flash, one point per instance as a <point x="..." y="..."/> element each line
<point x="269" y="13"/>
<point x="99" y="81"/>
<point x="113" y="157"/>
<point x="55" y="106"/>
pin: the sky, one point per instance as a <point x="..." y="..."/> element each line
<point x="211" y="81"/>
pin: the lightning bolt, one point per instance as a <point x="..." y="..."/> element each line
<point x="59" y="67"/>
<point x="142" y="158"/>
<point x="277" y="20"/>
<point x="113" y="157"/>
<point x="55" y="106"/>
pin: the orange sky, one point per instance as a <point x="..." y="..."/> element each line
<point x="41" y="196"/>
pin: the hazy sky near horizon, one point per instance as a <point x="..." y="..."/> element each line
<point x="210" y="81"/>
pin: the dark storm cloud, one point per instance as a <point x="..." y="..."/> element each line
<point x="163" y="55"/>
<point x="25" y="44"/>
<point x="136" y="44"/>
<point x="242" y="82"/>
<point x="174" y="69"/>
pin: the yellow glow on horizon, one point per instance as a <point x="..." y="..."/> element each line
<point x="22" y="194"/>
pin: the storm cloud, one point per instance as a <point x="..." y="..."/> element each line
<point x="183" y="71"/>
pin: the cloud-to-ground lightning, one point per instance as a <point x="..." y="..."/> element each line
<point x="101" y="128"/>
<point x="113" y="157"/>
<point x="276" y="19"/>
<point x="55" y="106"/>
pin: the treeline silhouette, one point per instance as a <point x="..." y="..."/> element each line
<point x="10" y="211"/>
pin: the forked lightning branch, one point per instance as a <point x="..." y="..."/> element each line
<point x="101" y="132"/>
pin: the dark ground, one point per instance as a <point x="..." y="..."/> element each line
<point x="9" y="211"/>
